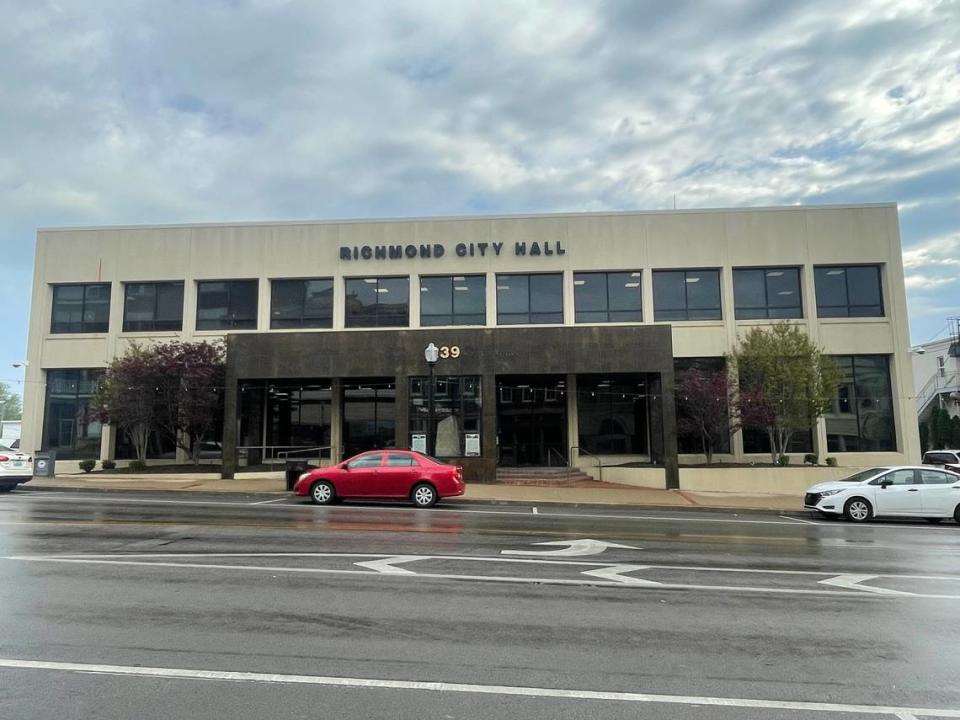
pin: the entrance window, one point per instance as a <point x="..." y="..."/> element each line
<point x="71" y="426"/>
<point x="530" y="299"/>
<point x="81" y="308"/>
<point x="861" y="419"/>
<point x="284" y="416"/>
<point x="612" y="414"/>
<point x="686" y="295"/>
<point x="689" y="439"/>
<point x="149" y="307"/>
<point x="301" y="304"/>
<point x="378" y="302"/>
<point x="369" y="415"/>
<point x="532" y="420"/>
<point x="227" y="305"/>
<point x="602" y="297"/>
<point x="456" y="411"/>
<point x="453" y="300"/>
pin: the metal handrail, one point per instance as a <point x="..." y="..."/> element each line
<point x="934" y="385"/>
<point x="564" y="462"/>
<point x="273" y="454"/>
<point x="581" y="451"/>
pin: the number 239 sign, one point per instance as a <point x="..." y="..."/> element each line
<point x="449" y="351"/>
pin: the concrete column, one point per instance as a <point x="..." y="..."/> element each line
<point x="488" y="423"/>
<point x="336" y="420"/>
<point x="108" y="442"/>
<point x="231" y="419"/>
<point x="664" y="388"/>
<point x="573" y="425"/>
<point x="402" y="410"/>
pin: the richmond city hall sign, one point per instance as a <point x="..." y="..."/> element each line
<point x="436" y="250"/>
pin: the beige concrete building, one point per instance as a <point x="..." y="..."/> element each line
<point x="554" y="330"/>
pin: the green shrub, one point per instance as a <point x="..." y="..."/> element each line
<point x="87" y="465"/>
<point x="137" y="466"/>
<point x="108" y="464"/>
<point x="783" y="460"/>
<point x="811" y="459"/>
<point x="831" y="461"/>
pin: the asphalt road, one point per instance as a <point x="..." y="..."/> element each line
<point x="153" y="605"/>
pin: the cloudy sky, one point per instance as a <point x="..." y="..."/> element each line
<point x="164" y="111"/>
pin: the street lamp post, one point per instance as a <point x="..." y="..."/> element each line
<point x="431" y="354"/>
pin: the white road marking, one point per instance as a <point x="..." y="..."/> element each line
<point x="534" y="510"/>
<point x="854" y="582"/>
<point x="386" y="565"/>
<point x="577" y="548"/>
<point x="856" y="592"/>
<point x="268" y="502"/>
<point x="800" y="520"/>
<point x="614" y="573"/>
<point x="471" y="688"/>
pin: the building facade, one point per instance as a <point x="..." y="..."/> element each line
<point x="936" y="373"/>
<point x="560" y="336"/>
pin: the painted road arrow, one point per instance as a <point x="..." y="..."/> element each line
<point x="575" y="548"/>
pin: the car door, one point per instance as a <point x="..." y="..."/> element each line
<point x="902" y="496"/>
<point x="360" y="478"/>
<point x="940" y="493"/>
<point x="397" y="475"/>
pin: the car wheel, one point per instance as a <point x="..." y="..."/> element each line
<point x="424" y="495"/>
<point x="956" y="515"/>
<point x="857" y="510"/>
<point x="322" y="493"/>
<point x="933" y="521"/>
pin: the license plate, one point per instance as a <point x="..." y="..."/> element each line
<point x="18" y="463"/>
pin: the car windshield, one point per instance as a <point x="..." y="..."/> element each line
<point x="4" y="448"/>
<point x="863" y="475"/>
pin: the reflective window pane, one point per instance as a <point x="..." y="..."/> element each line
<point x="301" y="303"/>
<point x="767" y="293"/>
<point x="70" y="424"/>
<point x="81" y="308"/>
<point x="849" y="291"/>
<point x="607" y="297"/>
<point x="612" y="414"/>
<point x="453" y="300"/>
<point x="456" y="411"/>
<point x="590" y="293"/>
<point x="378" y="302"/>
<point x="861" y="419"/>
<point x="529" y="299"/>
<point x="686" y="295"/>
<point x="227" y="305"/>
<point x="151" y="307"/>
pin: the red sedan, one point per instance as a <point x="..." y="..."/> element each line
<point x="383" y="474"/>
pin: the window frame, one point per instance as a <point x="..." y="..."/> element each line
<point x="155" y="284"/>
<point x="233" y="324"/>
<point x="852" y="405"/>
<point x="529" y="312"/>
<point x="453" y="314"/>
<point x="846" y="288"/>
<point x="347" y="323"/>
<point x="686" y="295"/>
<point x="83" y="309"/>
<point x="767" y="308"/>
<point x="578" y="275"/>
<point x="303" y="321"/>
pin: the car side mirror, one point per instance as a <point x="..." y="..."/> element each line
<point x="886" y="483"/>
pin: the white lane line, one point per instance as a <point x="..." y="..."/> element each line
<point x="470" y="688"/>
<point x="853" y="582"/>
<point x="267" y="502"/>
<point x="801" y="520"/>
<point x="387" y="565"/>
<point x="534" y="510"/>
<point x="581" y="582"/>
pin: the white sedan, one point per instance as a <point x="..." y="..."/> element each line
<point x="15" y="468"/>
<point x="900" y="491"/>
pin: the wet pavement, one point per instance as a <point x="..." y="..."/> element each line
<point x="125" y="604"/>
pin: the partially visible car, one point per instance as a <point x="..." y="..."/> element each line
<point x="949" y="459"/>
<point x="15" y="468"/>
<point x="383" y="474"/>
<point x="890" y="491"/>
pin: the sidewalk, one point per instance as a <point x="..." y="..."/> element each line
<point x="599" y="494"/>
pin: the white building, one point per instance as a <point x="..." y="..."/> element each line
<point x="568" y="329"/>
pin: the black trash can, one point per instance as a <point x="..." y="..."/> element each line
<point x="294" y="469"/>
<point x="44" y="464"/>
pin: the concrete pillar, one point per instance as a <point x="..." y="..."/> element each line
<point x="336" y="420"/>
<point x="573" y="425"/>
<point x="488" y="424"/>
<point x="402" y="411"/>
<point x="108" y="442"/>
<point x="663" y="386"/>
<point x="231" y="421"/>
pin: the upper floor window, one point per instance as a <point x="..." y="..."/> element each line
<point x="848" y="291"/>
<point x="529" y="299"/>
<point x="761" y="293"/>
<point x="601" y="297"/>
<point x="378" y="302"/>
<point x="453" y="300"/>
<point x="149" y="307"/>
<point x="686" y="295"/>
<point x="227" y="305"/>
<point x="81" y="308"/>
<point x="301" y="304"/>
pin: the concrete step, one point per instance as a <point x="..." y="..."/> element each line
<point x="544" y="477"/>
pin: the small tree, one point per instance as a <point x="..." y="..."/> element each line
<point x="944" y="429"/>
<point x="934" y="429"/>
<point x="11" y="408"/>
<point x="704" y="399"/>
<point x="786" y="383"/>
<point x="128" y="396"/>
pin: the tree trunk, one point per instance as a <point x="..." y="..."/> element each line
<point x="771" y="433"/>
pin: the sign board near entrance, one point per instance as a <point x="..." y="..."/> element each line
<point x="471" y="443"/>
<point x="418" y="442"/>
